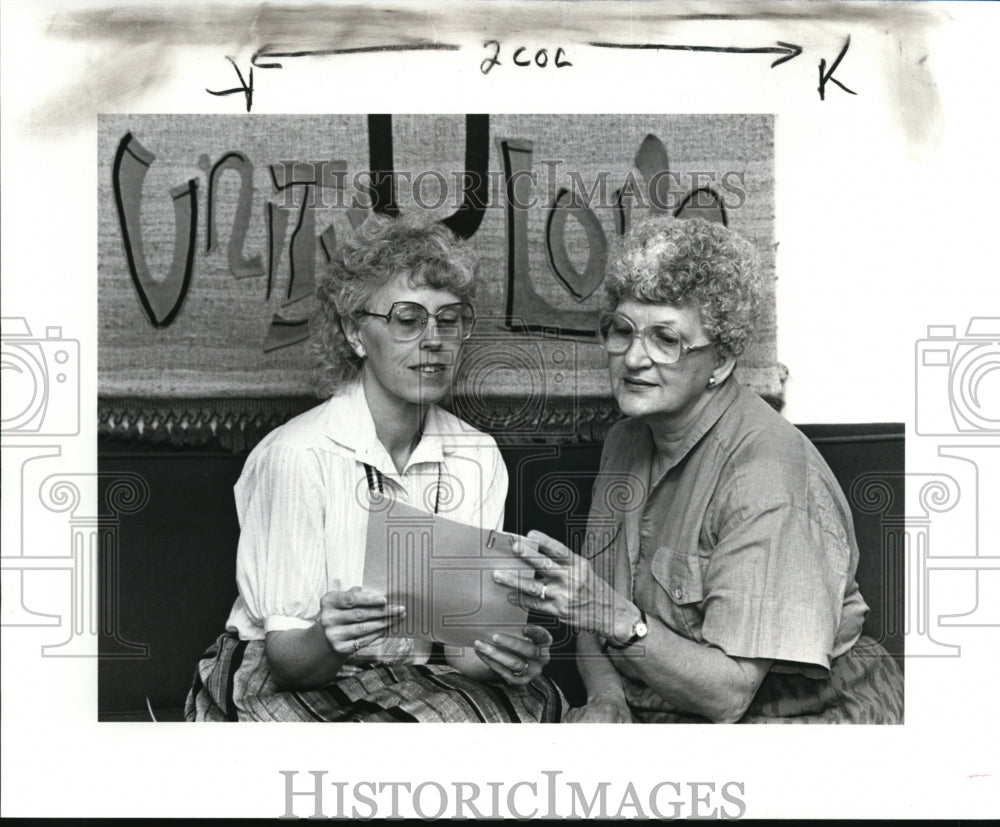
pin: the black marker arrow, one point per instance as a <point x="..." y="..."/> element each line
<point x="270" y="52"/>
<point x="789" y="50"/>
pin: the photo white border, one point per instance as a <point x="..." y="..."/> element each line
<point x="885" y="218"/>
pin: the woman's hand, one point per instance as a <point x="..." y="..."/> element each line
<point x="518" y="660"/>
<point x="600" y="712"/>
<point x="565" y="586"/>
<point x="355" y="618"/>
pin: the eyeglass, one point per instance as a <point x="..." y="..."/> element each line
<point x="407" y="320"/>
<point x="662" y="342"/>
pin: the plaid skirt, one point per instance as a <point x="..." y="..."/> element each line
<point x="864" y="686"/>
<point x="233" y="682"/>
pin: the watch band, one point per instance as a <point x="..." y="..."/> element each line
<point x="636" y="636"/>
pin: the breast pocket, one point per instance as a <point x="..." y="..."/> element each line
<point x="682" y="590"/>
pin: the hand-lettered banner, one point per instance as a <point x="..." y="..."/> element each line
<point x="214" y="229"/>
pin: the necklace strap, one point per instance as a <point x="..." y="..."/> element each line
<point x="376" y="483"/>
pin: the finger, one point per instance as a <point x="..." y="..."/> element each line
<point x="533" y="555"/>
<point x="508" y="577"/>
<point x="352" y="646"/>
<point x="522" y="675"/>
<point x="525" y="586"/>
<point x="355" y="631"/>
<point x="368" y="640"/>
<point x="523" y="648"/>
<point x="550" y="547"/>
<point x="538" y="634"/>
<point x="495" y="657"/>
<point x="346" y="617"/>
<point x="534" y="604"/>
<point x="355" y="596"/>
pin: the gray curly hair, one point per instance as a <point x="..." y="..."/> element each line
<point x="690" y="262"/>
<point x="429" y="254"/>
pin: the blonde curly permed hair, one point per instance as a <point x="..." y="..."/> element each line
<point x="428" y="254"/>
<point x="694" y="263"/>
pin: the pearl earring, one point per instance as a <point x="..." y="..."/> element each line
<point x="711" y="381"/>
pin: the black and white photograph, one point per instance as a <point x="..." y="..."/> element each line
<point x="560" y="365"/>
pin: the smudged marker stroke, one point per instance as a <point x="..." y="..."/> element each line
<point x="246" y="85"/>
<point x="789" y="50"/>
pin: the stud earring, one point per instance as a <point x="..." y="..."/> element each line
<point x="711" y="381"/>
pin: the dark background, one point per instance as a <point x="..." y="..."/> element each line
<point x="176" y="559"/>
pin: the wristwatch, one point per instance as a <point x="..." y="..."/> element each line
<point x="639" y="630"/>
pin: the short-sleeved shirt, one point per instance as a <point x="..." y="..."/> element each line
<point x="303" y="497"/>
<point x="745" y="543"/>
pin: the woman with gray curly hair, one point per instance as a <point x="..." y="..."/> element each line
<point x="717" y="582"/>
<point x="304" y="640"/>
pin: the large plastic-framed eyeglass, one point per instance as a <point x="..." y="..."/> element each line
<point x="407" y="320"/>
<point x="663" y="344"/>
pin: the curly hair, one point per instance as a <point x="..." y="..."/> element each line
<point x="381" y="249"/>
<point x="695" y="263"/>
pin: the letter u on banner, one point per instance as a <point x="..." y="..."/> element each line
<point x="475" y="183"/>
<point x="161" y="298"/>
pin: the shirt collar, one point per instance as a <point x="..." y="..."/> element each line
<point x="722" y="397"/>
<point x="349" y="423"/>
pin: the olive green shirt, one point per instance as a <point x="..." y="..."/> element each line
<point x="745" y="543"/>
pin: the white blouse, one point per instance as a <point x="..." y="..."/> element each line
<point x="302" y="502"/>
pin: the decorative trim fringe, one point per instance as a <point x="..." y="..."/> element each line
<point x="237" y="425"/>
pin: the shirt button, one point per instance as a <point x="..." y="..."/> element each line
<point x="678" y="592"/>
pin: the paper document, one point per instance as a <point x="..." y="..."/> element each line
<point x="442" y="572"/>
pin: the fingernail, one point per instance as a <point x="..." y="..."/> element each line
<point x="495" y="638"/>
<point x="496" y="577"/>
<point x="479" y="645"/>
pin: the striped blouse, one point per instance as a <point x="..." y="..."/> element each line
<point x="302" y="506"/>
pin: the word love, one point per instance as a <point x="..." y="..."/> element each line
<point x="299" y="189"/>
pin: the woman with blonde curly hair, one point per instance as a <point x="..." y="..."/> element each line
<point x="717" y="581"/>
<point x="304" y="641"/>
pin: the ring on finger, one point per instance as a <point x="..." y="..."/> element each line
<point x="520" y="673"/>
<point x="542" y="593"/>
<point x="357" y="645"/>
